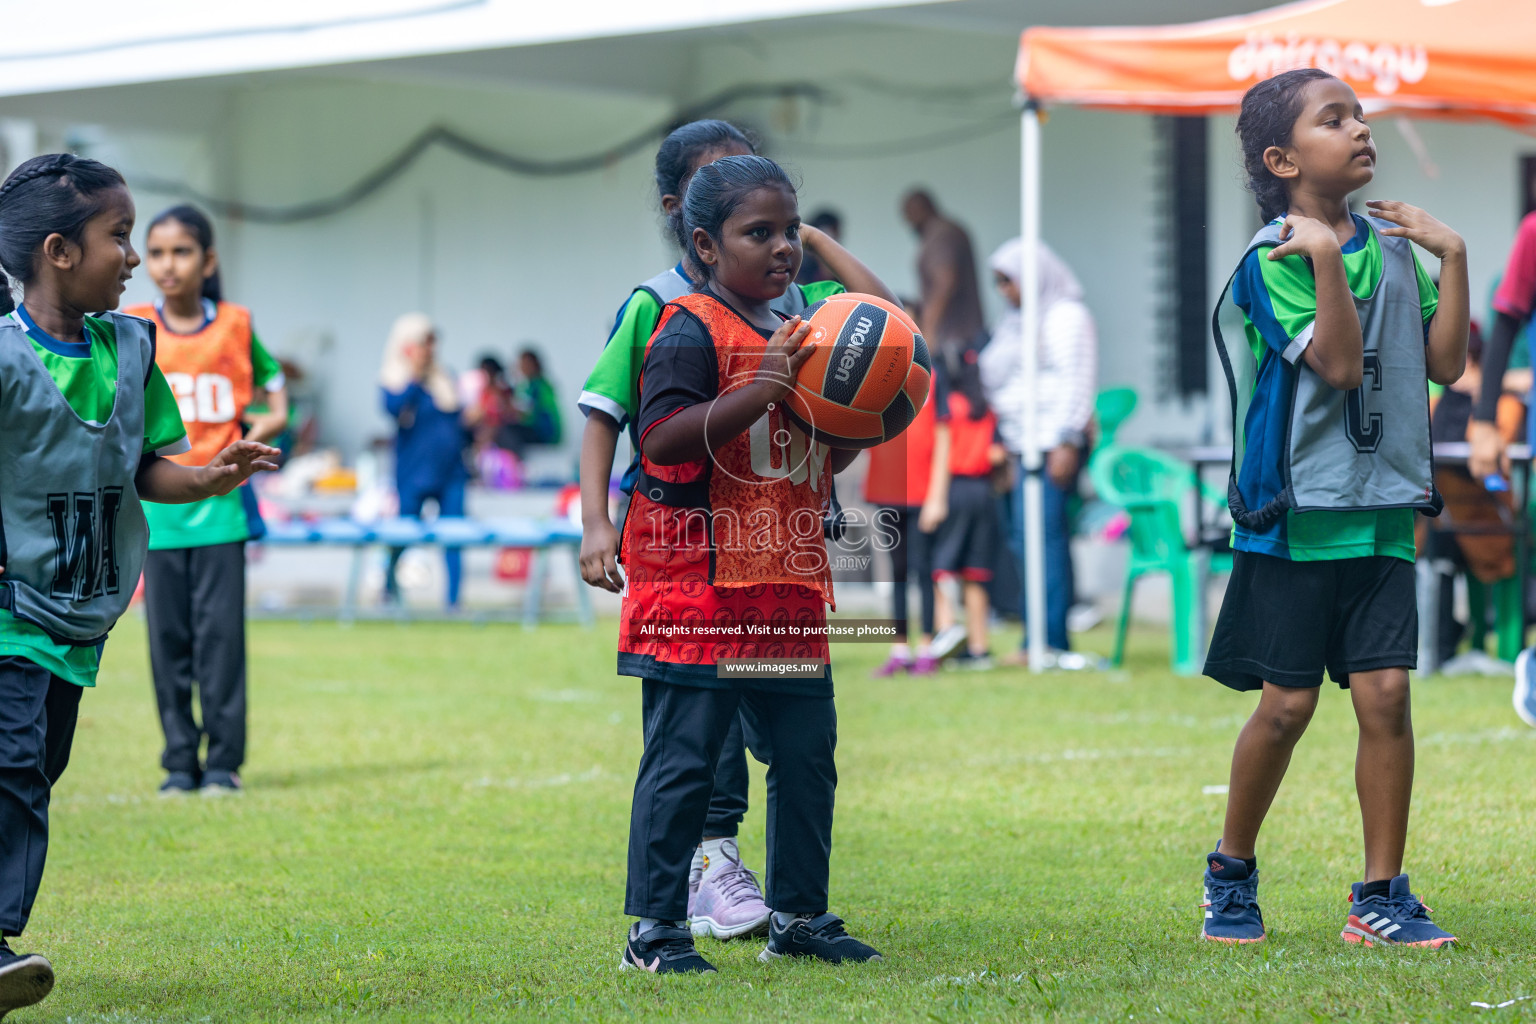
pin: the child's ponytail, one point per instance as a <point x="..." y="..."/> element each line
<point x="201" y="228"/>
<point x="1268" y="116"/>
<point x="717" y="189"/>
<point x="52" y="194"/>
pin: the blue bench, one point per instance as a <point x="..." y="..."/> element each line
<point x="542" y="536"/>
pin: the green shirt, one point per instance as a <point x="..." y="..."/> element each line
<point x="222" y="519"/>
<point x="86" y="375"/>
<point x="1279" y="315"/>
<point x="613" y="386"/>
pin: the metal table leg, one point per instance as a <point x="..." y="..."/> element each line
<point x="1523" y="544"/>
<point x="583" y="592"/>
<point x="354" y="584"/>
<point x="1426" y="579"/>
<point x="534" y="599"/>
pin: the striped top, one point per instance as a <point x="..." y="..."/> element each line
<point x="1068" y="373"/>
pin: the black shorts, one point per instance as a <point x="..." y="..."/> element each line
<point x="1285" y="622"/>
<point x="971" y="537"/>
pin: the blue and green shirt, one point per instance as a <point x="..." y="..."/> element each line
<point x="1278" y="299"/>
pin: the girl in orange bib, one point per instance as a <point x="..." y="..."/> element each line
<point x="726" y="564"/>
<point x="194" y="577"/>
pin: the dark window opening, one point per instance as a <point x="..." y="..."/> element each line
<point x="1184" y="313"/>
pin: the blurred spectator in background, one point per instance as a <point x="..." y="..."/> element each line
<point x="896" y="484"/>
<point x="433" y="433"/>
<point x="535" y="409"/>
<point x="946" y="270"/>
<point x="961" y="507"/>
<point x="1064" y="392"/>
<point x="1486" y="550"/>
<point x="1513" y="306"/>
<point x="487" y="390"/>
<point x="811" y="267"/>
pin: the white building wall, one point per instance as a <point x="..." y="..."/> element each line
<point x="496" y="260"/>
<point x="499" y="260"/>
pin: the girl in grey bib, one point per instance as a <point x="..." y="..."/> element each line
<point x="84" y="417"/>
<point x="1328" y="332"/>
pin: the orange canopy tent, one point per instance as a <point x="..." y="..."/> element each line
<point x="1457" y="58"/>
<point x="1438" y="58"/>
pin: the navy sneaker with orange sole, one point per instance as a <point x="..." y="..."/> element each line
<point x="1231" y="902"/>
<point x="1396" y="919"/>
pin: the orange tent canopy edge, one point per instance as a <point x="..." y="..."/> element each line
<point x="1432" y="58"/>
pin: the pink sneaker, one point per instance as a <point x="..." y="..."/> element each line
<point x="924" y="666"/>
<point x="727" y="903"/>
<point x="894" y="664"/>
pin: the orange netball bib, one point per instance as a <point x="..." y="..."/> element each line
<point x="210" y="374"/>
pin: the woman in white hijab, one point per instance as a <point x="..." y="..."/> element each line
<point x="1064" y="392"/>
<point x="429" y="445"/>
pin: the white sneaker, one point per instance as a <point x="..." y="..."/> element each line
<point x="1525" y="689"/>
<point x="728" y="902"/>
<point x="1083" y="617"/>
<point x="946" y="642"/>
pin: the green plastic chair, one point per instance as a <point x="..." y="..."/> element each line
<point x="1509" y="627"/>
<point x="1111" y="408"/>
<point x="1153" y="487"/>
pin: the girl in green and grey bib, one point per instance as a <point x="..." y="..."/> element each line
<point x="87" y="422"/>
<point x="1329" y="332"/>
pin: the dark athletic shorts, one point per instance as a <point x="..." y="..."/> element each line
<point x="970" y="540"/>
<point x="1285" y="621"/>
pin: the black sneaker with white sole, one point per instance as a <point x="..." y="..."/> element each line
<point x="217" y="782"/>
<point x="664" y="949"/>
<point x="820" y="936"/>
<point x="178" y="784"/>
<point x="25" y="979"/>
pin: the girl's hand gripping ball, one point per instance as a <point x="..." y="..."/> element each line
<point x="867" y="375"/>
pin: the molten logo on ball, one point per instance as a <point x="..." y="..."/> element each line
<point x="856" y="342"/>
<point x="867" y="375"/>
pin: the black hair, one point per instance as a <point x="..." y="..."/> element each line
<point x="827" y="220"/>
<point x="197" y="222"/>
<point x="529" y="352"/>
<point x="675" y="159"/>
<point x="1269" y="114"/>
<point x="492" y="366"/>
<point x="54" y="194"/>
<point x="961" y="368"/>
<point x="718" y="188"/>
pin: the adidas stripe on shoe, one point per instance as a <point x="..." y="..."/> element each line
<point x="1397" y="919"/>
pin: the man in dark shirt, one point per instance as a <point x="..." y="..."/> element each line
<point x="946" y="270"/>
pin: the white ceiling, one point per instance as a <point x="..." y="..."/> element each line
<point x="599" y="44"/>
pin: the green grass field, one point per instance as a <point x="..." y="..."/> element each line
<point x="436" y="820"/>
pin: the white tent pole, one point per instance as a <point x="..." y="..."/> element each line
<point x="1029" y="290"/>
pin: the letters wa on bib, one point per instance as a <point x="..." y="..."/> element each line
<point x="72" y="531"/>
